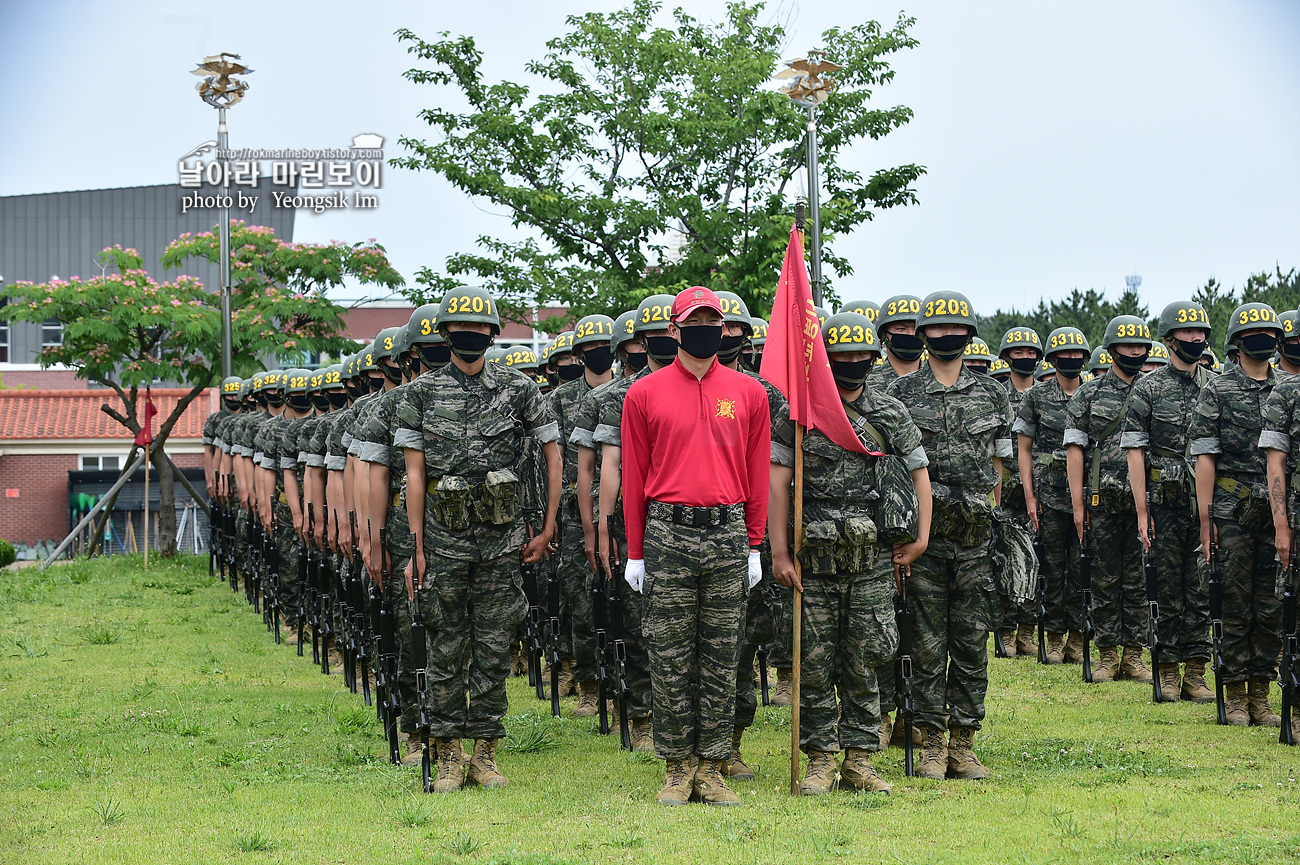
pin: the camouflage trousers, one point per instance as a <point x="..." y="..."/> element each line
<point x="1119" y="590"/>
<point x="695" y="589"/>
<point x="575" y="598"/>
<point x="241" y="542"/>
<point x="1252" y="612"/>
<point x="759" y="628"/>
<point x="848" y="630"/>
<point x="955" y="604"/>
<point x="1060" y="570"/>
<point x="287" y="545"/>
<point x="637" y="664"/>
<point x="470" y="611"/>
<point x="1181" y="587"/>
<point x="396" y="596"/>
<point x="781" y="652"/>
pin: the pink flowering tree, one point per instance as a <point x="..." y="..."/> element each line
<point x="124" y="330"/>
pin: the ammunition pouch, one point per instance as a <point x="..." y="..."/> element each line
<point x="962" y="517"/>
<point x="1171" y="484"/>
<point x="898" y="511"/>
<point x="858" y="550"/>
<point x="820" y="540"/>
<point x="830" y="546"/>
<point x="456" y="502"/>
<point x="499" y="502"/>
<point x="1253" y="511"/>
<point x="450" y="502"/>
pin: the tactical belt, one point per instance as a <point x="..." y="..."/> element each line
<point x="397" y="499"/>
<point x="1235" y="487"/>
<point x="283" y="499"/>
<point x="685" y="515"/>
<point x="476" y="491"/>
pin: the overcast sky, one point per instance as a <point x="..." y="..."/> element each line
<point x="1068" y="143"/>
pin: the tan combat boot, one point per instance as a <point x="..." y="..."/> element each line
<point x="518" y="661"/>
<point x="858" y="773"/>
<point x="962" y="762"/>
<point x="784" y="688"/>
<point x="1107" y="666"/>
<point x="900" y="733"/>
<point x="1295" y="723"/>
<point x="819" y="778"/>
<point x="414" y="752"/>
<point x="1261" y="713"/>
<point x="934" y="755"/>
<point x="483" y="769"/>
<point x="1026" y="642"/>
<point x="677" y="782"/>
<point x="1008" y="641"/>
<point x="566" y="678"/>
<point x="1169" y="683"/>
<point x="886" y="730"/>
<point x="1234" y="698"/>
<point x="643" y="740"/>
<point x="1195" y="688"/>
<point x="450" y="776"/>
<point x="1131" y="666"/>
<point x="1074" y="648"/>
<point x="1055" y="648"/>
<point x="588" y="700"/>
<point x="710" y="786"/>
<point x="735" y="768"/>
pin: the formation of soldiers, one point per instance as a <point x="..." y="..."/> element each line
<point x="434" y="514"/>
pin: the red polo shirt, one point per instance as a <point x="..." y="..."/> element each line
<point x="699" y="442"/>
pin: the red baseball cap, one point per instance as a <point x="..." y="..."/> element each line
<point x="690" y="299"/>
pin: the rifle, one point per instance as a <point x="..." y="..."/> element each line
<point x="599" y="615"/>
<point x="313" y="582"/>
<point x="1153" y="624"/>
<point x="1085" y="580"/>
<point x="272" y="557"/>
<point x="903" y="665"/>
<point x="361" y="602"/>
<point x="215" y="561"/>
<point x="1289" y="668"/>
<point x="553" y="636"/>
<point x="622" y="684"/>
<point x="760" y="655"/>
<point x="325" y="617"/>
<point x="386" y="664"/>
<point x="533" y="639"/>
<point x="254" y="545"/>
<point x="1040" y="594"/>
<point x="1216" y="632"/>
<point x="302" y="594"/>
<point x="420" y="663"/>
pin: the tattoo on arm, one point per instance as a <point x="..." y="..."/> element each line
<point x="1278" y="496"/>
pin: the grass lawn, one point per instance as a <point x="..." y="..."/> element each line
<point x="147" y="717"/>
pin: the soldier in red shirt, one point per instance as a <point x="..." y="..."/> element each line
<point x="696" y="452"/>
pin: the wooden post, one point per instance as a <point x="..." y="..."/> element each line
<point x="146" y="506"/>
<point x="798" y="612"/>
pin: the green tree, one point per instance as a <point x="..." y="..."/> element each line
<point x="637" y="129"/>
<point x="1089" y="311"/>
<point x="123" y="330"/>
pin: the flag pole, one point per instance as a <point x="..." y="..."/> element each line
<point x="146" y="505"/>
<point x="797" y="642"/>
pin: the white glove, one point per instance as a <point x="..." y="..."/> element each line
<point x="634" y="573"/>
<point x="755" y="568"/>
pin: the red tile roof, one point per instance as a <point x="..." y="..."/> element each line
<point x="76" y="414"/>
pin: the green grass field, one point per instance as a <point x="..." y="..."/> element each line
<point x="147" y="717"/>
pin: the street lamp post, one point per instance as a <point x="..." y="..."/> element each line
<point x="808" y="88"/>
<point x="220" y="91"/>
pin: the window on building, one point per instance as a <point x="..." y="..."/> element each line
<point x="101" y="463"/>
<point x="51" y="333"/>
<point x="4" y="334"/>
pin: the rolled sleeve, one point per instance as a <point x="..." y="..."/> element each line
<point x="316" y="461"/>
<point x="289" y="463"/>
<point x="782" y="455"/>
<point x="1134" y="439"/>
<point x="1024" y="428"/>
<point x="409" y="438"/>
<point x="354" y="449"/>
<point x="1003" y="448"/>
<point x="546" y="433"/>
<point x="1277" y="441"/>
<point x="1075" y="437"/>
<point x="347" y="440"/>
<point x="336" y="463"/>
<point x="607" y="435"/>
<point x="583" y="438"/>
<point x="916" y="460"/>
<point x="1207" y="445"/>
<point x="372" y="452"/>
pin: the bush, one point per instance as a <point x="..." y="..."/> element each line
<point x="7" y="555"/>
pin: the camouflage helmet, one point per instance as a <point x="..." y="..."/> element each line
<point x="654" y="313"/>
<point x="563" y="345"/>
<point x="1065" y="339"/>
<point x="1100" y="361"/>
<point x="1045" y="370"/>
<point x="270" y="380"/>
<point x="947" y="307"/>
<point x="1290" y="321"/>
<point x="624" y="330"/>
<point x="519" y="357"/>
<point x="230" y="386"/>
<point x="822" y="315"/>
<point x="1020" y="336"/>
<point x="368" y="358"/>
<point x="469" y="306"/>
<point x="1182" y="314"/>
<point x="297" y="380"/>
<point x="316" y="380"/>
<point x="849" y="331"/>
<point x="734" y="311"/>
<point x="1126" y="330"/>
<point x="977" y="351"/>
<point x="999" y="367"/>
<point x="592" y="328"/>
<point x="1213" y="358"/>
<point x="333" y="376"/>
<point x="1253" y="316"/>
<point x="869" y="308"/>
<point x="1159" y="354"/>
<point x="900" y="307"/>
<point x="422" y="329"/>
<point x="386" y="343"/>
<point x="543" y="359"/>
<point x="760" y="332"/>
<point x="494" y="354"/>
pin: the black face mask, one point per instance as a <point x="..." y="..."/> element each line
<point x="1130" y="365"/>
<point x="661" y="348"/>
<point x="377" y="382"/>
<point x="300" y="402"/>
<point x="730" y="348"/>
<point x="851" y="374"/>
<point x="701" y="341"/>
<point x="981" y="368"/>
<point x="274" y="400"/>
<point x="1188" y="351"/>
<point x="391" y="372"/>
<point x="232" y="405"/>
<point x="435" y="356"/>
<point x="337" y="398"/>
<point x="948" y="347"/>
<point x="468" y="345"/>
<point x="570" y="371"/>
<point x="598" y="359"/>
<point x="756" y="361"/>
<point x="552" y="379"/>
<point x="1291" y="351"/>
<point x="636" y="362"/>
<point x="1071" y="367"/>
<point x="412" y="365"/>
<point x="1023" y="365"/>
<point x="1259" y="345"/>
<point x="906" y="347"/>
<point x="321" y="401"/>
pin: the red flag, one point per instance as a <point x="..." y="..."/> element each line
<point x="794" y="358"/>
<point x="145" y="436"/>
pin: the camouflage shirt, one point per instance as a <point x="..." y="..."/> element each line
<point x="564" y="402"/>
<point x="1098" y="406"/>
<point x="1041" y="417"/>
<point x="609" y="428"/>
<point x="1159" y="413"/>
<point x="210" y="425"/>
<point x="1013" y="492"/>
<point x="1228" y="420"/>
<point x="374" y="442"/>
<point x="1282" y="430"/>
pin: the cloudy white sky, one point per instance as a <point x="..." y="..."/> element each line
<point x="1068" y="143"/>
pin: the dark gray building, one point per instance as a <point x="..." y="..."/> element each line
<point x="61" y="233"/>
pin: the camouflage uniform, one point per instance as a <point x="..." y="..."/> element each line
<point x="1013" y="504"/>
<point x="848" y="627"/>
<point x="1041" y="417"/>
<point x="1158" y="416"/>
<point x="1228" y="421"/>
<point x="953" y="592"/>
<point x="469" y="426"/>
<point x="1118" y="586"/>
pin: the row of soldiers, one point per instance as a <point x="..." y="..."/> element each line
<point x="519" y="458"/>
